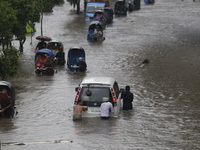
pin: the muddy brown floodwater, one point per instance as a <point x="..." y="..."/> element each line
<point x="166" y="105"/>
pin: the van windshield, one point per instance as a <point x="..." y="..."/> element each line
<point x="93" y="8"/>
<point x="98" y="94"/>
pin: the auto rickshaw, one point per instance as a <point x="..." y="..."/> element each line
<point x="109" y="15"/>
<point x="120" y="8"/>
<point x="10" y="90"/>
<point x="44" y="59"/>
<point x="55" y="46"/>
<point x="100" y="16"/>
<point x="149" y="1"/>
<point x="58" y="50"/>
<point x="74" y="54"/>
<point x="130" y="5"/>
<point x="93" y="29"/>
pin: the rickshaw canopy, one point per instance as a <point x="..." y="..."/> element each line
<point x="45" y="51"/>
<point x="93" y="25"/>
<point x="73" y="55"/>
<point x="56" y="42"/>
<point x="8" y="86"/>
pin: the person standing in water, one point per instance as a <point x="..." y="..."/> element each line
<point x="127" y="97"/>
<point x="78" y="109"/>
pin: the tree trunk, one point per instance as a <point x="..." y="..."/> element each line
<point x="21" y="43"/>
<point x="41" y="24"/>
<point x="78" y="7"/>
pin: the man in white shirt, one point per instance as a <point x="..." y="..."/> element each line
<point x="105" y="108"/>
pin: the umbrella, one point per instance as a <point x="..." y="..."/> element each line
<point x="45" y="38"/>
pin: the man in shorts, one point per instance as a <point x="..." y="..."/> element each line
<point x="77" y="116"/>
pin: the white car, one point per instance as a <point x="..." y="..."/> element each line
<point x="93" y="91"/>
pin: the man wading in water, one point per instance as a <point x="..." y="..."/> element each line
<point x="78" y="111"/>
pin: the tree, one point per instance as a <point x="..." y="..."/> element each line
<point x="49" y="4"/>
<point x="14" y="16"/>
<point x="9" y="60"/>
<point x="8" y="19"/>
<point x="27" y="10"/>
<point x="13" y="22"/>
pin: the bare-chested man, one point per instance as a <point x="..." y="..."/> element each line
<point x="78" y="111"/>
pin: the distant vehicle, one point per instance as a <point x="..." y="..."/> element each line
<point x="130" y="5"/>
<point x="91" y="7"/>
<point x="92" y="29"/>
<point x="93" y="91"/>
<point x="105" y="1"/>
<point x="109" y="15"/>
<point x="149" y="1"/>
<point x="120" y="8"/>
<point x="99" y="15"/>
<point x="4" y="85"/>
<point x="41" y="57"/>
<point x="73" y="56"/>
<point x="55" y="46"/>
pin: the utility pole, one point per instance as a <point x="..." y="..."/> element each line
<point x="41" y="23"/>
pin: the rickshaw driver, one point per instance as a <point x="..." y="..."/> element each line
<point x="98" y="35"/>
<point x="60" y="57"/>
<point x="48" y="64"/>
<point x="82" y="65"/>
<point x="42" y="44"/>
<point x="6" y="109"/>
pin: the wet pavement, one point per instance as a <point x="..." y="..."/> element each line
<point x="166" y="104"/>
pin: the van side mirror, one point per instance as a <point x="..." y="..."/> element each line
<point x="76" y="89"/>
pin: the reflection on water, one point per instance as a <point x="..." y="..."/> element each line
<point x="6" y="125"/>
<point x="166" y="103"/>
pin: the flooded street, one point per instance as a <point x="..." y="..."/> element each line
<point x="166" y="111"/>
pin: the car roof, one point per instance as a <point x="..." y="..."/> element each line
<point x="107" y="81"/>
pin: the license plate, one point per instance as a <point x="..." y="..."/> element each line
<point x="95" y="109"/>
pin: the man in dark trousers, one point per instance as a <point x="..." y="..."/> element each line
<point x="127" y="97"/>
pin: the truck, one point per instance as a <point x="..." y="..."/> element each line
<point x="94" y="5"/>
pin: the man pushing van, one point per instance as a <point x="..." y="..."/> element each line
<point x="78" y="111"/>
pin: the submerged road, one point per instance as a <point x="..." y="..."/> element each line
<point x="166" y="105"/>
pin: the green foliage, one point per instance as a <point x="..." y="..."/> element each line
<point x="8" y="19"/>
<point x="14" y="16"/>
<point x="58" y="2"/>
<point x="25" y="12"/>
<point x="9" y="60"/>
<point x="49" y="4"/>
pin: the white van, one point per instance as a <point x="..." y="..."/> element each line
<point x="93" y="91"/>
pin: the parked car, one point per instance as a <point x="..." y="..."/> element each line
<point x="93" y="91"/>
